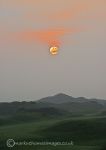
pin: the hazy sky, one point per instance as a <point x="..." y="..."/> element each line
<point x="27" y="30"/>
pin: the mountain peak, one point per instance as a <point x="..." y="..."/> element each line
<point x="61" y="95"/>
<point x="57" y="99"/>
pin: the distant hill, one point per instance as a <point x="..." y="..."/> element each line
<point x="57" y="99"/>
<point x="63" y="98"/>
<point x="76" y="105"/>
<point x="60" y="105"/>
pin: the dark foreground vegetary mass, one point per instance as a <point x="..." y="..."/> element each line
<point x="60" y="118"/>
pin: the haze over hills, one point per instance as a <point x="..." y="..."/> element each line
<point x="63" y="98"/>
<point x="60" y="104"/>
<point x="76" y="105"/>
<point x="57" y="99"/>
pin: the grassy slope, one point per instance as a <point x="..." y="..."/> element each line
<point x="88" y="133"/>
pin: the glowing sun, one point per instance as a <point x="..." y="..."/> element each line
<point x="54" y="50"/>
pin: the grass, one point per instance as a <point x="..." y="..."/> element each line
<point x="87" y="133"/>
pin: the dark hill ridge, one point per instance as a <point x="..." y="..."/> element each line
<point x="57" y="99"/>
<point x="75" y="105"/>
<point x="60" y="104"/>
<point x="63" y="98"/>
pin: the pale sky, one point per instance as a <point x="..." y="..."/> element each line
<point x="28" y="28"/>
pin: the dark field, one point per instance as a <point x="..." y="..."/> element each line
<point x="86" y="134"/>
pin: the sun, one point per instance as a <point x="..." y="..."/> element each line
<point x="54" y="50"/>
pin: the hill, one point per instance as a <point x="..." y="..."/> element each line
<point x="60" y="105"/>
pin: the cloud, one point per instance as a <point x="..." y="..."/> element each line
<point x="69" y="14"/>
<point x="26" y="16"/>
<point x="47" y="36"/>
<point x="81" y="9"/>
